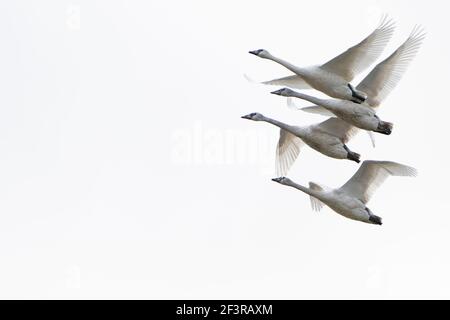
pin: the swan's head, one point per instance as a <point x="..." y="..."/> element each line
<point x="285" y="92"/>
<point x="260" y="53"/>
<point x="254" y="116"/>
<point x="282" y="180"/>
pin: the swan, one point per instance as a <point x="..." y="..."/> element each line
<point x="350" y="200"/>
<point x="328" y="137"/>
<point x="381" y="80"/>
<point x="355" y="114"/>
<point x="333" y="78"/>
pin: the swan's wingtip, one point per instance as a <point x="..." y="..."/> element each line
<point x="386" y="22"/>
<point x="413" y="172"/>
<point x="418" y="31"/>
<point x="249" y="79"/>
<point x="292" y="105"/>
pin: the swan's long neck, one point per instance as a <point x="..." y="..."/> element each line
<point x="314" y="193"/>
<point x="292" y="129"/>
<point x="287" y="65"/>
<point x="312" y="99"/>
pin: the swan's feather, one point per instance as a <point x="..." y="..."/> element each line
<point x="361" y="56"/>
<point x="348" y="132"/>
<point x="249" y="79"/>
<point x="318" y="110"/>
<point x="288" y="149"/>
<point x="336" y="127"/>
<point x="386" y="75"/>
<point x="316" y="204"/>
<point x="293" y="81"/>
<point x="372" y="138"/>
<point x="370" y="175"/>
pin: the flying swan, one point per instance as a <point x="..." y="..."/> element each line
<point x="377" y="84"/>
<point x="350" y="200"/>
<point x="333" y="78"/>
<point x="328" y="137"/>
<point x="355" y="114"/>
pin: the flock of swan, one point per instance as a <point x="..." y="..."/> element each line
<point x="350" y="109"/>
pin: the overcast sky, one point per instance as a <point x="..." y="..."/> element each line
<point x="126" y="171"/>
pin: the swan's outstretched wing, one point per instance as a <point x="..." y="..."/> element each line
<point x="292" y="104"/>
<point x="293" y="81"/>
<point x="323" y="112"/>
<point x="359" y="57"/>
<point x="316" y="204"/>
<point x="337" y="128"/>
<point x="318" y="110"/>
<point x="385" y="76"/>
<point x="370" y="175"/>
<point x="288" y="149"/>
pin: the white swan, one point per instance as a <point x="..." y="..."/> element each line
<point x="381" y="80"/>
<point x="350" y="200"/>
<point x="333" y="78"/>
<point x="359" y="115"/>
<point x="328" y="137"/>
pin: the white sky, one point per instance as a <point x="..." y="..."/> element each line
<point x="126" y="171"/>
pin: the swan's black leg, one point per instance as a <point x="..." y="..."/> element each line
<point x="352" y="155"/>
<point x="358" y="98"/>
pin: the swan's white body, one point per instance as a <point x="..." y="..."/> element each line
<point x="350" y="200"/>
<point x="321" y="79"/>
<point x="333" y="77"/>
<point x="328" y="137"/>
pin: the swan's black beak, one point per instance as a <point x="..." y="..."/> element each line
<point x="278" y="179"/>
<point x="255" y="52"/>
<point x="248" y="116"/>
<point x="278" y="92"/>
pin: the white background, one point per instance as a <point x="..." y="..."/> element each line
<point x="126" y="171"/>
